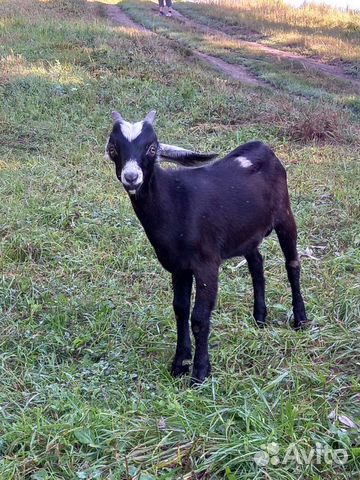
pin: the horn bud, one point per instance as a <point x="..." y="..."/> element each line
<point x="150" y="117"/>
<point x="117" y="117"/>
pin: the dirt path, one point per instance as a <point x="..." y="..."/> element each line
<point x="118" y="16"/>
<point x="331" y="70"/>
<point x="237" y="72"/>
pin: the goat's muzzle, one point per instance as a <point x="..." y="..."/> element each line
<point x="132" y="176"/>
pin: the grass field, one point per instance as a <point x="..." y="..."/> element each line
<point x="87" y="328"/>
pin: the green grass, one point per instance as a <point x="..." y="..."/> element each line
<point x="86" y="319"/>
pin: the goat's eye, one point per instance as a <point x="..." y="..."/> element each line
<point x="152" y="150"/>
<point x="111" y="150"/>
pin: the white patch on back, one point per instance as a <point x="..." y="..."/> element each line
<point x="131" y="130"/>
<point x="130" y="167"/>
<point x="244" y="162"/>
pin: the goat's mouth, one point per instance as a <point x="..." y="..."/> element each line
<point x="131" y="188"/>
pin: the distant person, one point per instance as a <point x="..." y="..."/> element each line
<point x="161" y="8"/>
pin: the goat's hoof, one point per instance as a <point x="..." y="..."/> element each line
<point x="260" y="317"/>
<point x="179" y="370"/>
<point x="261" y="324"/>
<point x="300" y="320"/>
<point x="199" y="375"/>
<point x="301" y="325"/>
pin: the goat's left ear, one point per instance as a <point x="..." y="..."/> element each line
<point x="181" y="156"/>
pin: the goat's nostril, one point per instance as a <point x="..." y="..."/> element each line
<point x="131" y="177"/>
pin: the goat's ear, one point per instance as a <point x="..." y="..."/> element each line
<point x="181" y="156"/>
<point x="150" y="117"/>
<point x="117" y="117"/>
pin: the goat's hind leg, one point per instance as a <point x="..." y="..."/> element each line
<point x="287" y="234"/>
<point x="256" y="269"/>
<point x="182" y="284"/>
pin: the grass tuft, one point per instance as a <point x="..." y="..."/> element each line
<point x="317" y="123"/>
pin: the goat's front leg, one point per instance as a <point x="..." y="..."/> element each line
<point x="182" y="283"/>
<point x="206" y="291"/>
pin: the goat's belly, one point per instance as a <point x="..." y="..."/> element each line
<point x="233" y="249"/>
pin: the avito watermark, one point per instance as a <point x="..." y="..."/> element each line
<point x="317" y="455"/>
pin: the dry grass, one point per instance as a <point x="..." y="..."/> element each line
<point x="310" y="15"/>
<point x="317" y="123"/>
<point x="316" y="30"/>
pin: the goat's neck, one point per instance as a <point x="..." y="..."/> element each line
<point x="150" y="204"/>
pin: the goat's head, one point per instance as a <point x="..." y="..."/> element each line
<point x="134" y="148"/>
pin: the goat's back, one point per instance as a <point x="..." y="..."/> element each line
<point x="235" y="202"/>
<point x="253" y="157"/>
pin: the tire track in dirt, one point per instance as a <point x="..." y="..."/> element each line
<point x="330" y="70"/>
<point x="236" y="72"/>
<point x="119" y="16"/>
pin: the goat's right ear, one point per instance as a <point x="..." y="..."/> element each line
<point x="117" y="117"/>
<point x="181" y="156"/>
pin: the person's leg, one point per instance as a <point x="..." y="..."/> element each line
<point x="169" y="5"/>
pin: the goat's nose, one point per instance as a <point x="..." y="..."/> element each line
<point x="131" y="177"/>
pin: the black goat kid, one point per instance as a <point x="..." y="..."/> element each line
<point x="196" y="218"/>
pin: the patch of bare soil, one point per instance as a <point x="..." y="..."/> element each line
<point x="118" y="16"/>
<point x="332" y="70"/>
<point x="237" y="72"/>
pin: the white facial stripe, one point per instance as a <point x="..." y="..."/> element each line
<point x="244" y="162"/>
<point x="132" y="167"/>
<point x="131" y="130"/>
